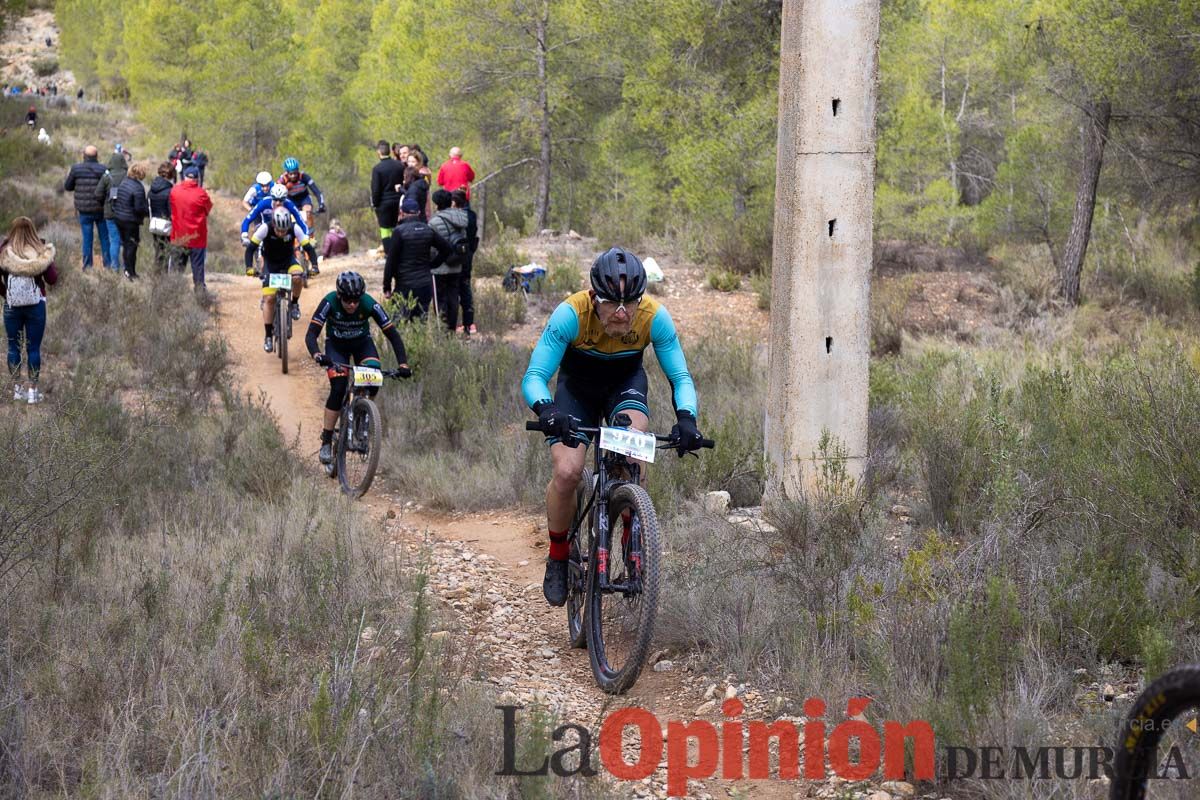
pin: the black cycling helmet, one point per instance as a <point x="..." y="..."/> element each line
<point x="608" y="269"/>
<point x="350" y="286"/>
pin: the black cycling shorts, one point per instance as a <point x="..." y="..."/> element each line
<point x="588" y="401"/>
<point x="358" y="351"/>
<point x="279" y="267"/>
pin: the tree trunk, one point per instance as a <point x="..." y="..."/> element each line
<point x="543" y="193"/>
<point x="1095" y="136"/>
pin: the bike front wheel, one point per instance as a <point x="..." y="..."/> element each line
<point x="1144" y="728"/>
<point x="623" y="585"/>
<point x="358" y="447"/>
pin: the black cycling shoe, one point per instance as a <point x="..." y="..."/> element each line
<point x="554" y="585"/>
<point x="295" y="310"/>
<point x="269" y="344"/>
<point x="326" y="454"/>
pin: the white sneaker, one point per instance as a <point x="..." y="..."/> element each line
<point x="34" y="396"/>
<point x="18" y="392"/>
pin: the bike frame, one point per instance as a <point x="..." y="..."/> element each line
<point x="605" y="464"/>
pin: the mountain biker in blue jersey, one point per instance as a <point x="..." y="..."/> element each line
<point x="299" y="186"/>
<point x="261" y="188"/>
<point x="595" y="340"/>
<point x="263" y="211"/>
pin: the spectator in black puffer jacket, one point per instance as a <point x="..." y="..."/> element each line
<point x="130" y="209"/>
<point x="83" y="179"/>
<point x="106" y="192"/>
<point x="160" y="209"/>
<point x="409" y="267"/>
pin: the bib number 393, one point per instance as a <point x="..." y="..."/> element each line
<point x="279" y="280"/>
<point x="631" y="443"/>
<point x="367" y="376"/>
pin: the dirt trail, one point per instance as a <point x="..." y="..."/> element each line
<point x="487" y="567"/>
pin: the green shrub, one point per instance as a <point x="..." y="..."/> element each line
<point x="760" y="284"/>
<point x="43" y="67"/>
<point x="496" y="310"/>
<point x="499" y="253"/>
<point x="722" y="280"/>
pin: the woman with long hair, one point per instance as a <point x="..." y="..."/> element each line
<point x="26" y="268"/>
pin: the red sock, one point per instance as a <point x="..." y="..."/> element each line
<point x="559" y="550"/>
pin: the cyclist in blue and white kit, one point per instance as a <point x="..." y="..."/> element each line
<point x="595" y="340"/>
<point x="261" y="188"/>
<point x="262" y="213"/>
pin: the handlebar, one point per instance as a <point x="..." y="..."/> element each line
<point x="531" y="425"/>
<point x="345" y="369"/>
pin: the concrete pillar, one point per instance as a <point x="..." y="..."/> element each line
<point x="824" y="193"/>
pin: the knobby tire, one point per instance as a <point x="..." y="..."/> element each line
<point x="581" y="549"/>
<point x="281" y="319"/>
<point x="365" y="412"/>
<point x="617" y="680"/>
<point x="1161" y="702"/>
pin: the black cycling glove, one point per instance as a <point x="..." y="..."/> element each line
<point x="404" y="371"/>
<point x="322" y="359"/>
<point x="554" y="422"/>
<point x="685" y="433"/>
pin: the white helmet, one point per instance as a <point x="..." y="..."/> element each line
<point x="278" y="192"/>
<point x="281" y="220"/>
<point x="263" y="178"/>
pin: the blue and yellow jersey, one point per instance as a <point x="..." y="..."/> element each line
<point x="575" y="342"/>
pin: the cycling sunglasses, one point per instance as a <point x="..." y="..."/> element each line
<point x="620" y="303"/>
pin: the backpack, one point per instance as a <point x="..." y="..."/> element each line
<point x="113" y="186"/>
<point x="460" y="247"/>
<point x="23" y="291"/>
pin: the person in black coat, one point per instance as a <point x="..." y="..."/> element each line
<point x="409" y="266"/>
<point x="387" y="179"/>
<point x="466" y="297"/>
<point x="160" y="209"/>
<point x="417" y="189"/>
<point x="83" y="179"/>
<point x="130" y="209"/>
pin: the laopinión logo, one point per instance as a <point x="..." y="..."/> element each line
<point x="854" y="750"/>
<point x="728" y="742"/>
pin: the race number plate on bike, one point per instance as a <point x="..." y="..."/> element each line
<point x="367" y="376"/>
<point x="634" y="444"/>
<point x="279" y="280"/>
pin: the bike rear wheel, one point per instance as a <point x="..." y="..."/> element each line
<point x="620" y="619"/>
<point x="358" y="446"/>
<point x="1137" y="758"/>
<point x="581" y="551"/>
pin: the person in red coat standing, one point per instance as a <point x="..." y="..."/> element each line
<point x="456" y="174"/>
<point x="190" y="207"/>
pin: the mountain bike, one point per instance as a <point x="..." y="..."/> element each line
<point x="281" y="282"/>
<point x="615" y="553"/>
<point x="1142" y="730"/>
<point x="358" y="435"/>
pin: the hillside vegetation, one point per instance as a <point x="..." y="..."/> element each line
<point x="632" y="119"/>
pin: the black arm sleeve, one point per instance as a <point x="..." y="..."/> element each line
<point x="443" y="249"/>
<point x="314" y="327"/>
<point x="312" y="185"/>
<point x="310" y="338"/>
<point x="393" y="337"/>
<point x="377" y="185"/>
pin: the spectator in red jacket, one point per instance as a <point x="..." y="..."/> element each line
<point x="456" y="174"/>
<point x="190" y="207"/>
<point x="335" y="242"/>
